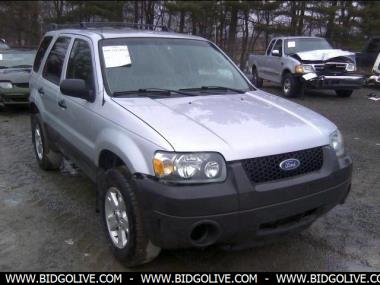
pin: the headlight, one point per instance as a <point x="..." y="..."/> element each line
<point x="304" y="68"/>
<point x="189" y="167"/>
<point x="6" y="85"/>
<point x="350" y="67"/>
<point x="336" y="142"/>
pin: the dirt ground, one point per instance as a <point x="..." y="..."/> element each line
<point x="48" y="221"/>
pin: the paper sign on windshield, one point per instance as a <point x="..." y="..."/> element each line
<point x="291" y="44"/>
<point x="1" y="56"/>
<point x="115" y="56"/>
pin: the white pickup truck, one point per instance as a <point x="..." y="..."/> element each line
<point x="299" y="62"/>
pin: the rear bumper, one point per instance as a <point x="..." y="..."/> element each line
<point x="337" y="82"/>
<point x="237" y="211"/>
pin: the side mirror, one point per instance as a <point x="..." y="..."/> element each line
<point x="276" y="52"/>
<point x="75" y="88"/>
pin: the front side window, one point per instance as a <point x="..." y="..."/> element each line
<point x="140" y="63"/>
<point x="54" y="63"/>
<point x="278" y="46"/>
<point x="41" y="52"/>
<point x="80" y="63"/>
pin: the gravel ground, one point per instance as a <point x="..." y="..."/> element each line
<point x="48" y="222"/>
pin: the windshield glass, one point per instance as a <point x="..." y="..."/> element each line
<point x="293" y="46"/>
<point x="142" y="63"/>
<point x="16" y="59"/>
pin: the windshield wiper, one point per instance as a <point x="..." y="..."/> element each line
<point x="144" y="91"/>
<point x="215" y="88"/>
<point x="3" y="67"/>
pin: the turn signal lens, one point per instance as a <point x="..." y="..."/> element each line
<point x="162" y="166"/>
<point x="299" y="69"/>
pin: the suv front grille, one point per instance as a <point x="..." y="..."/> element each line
<point x="267" y="168"/>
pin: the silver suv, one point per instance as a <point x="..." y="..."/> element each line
<point x="184" y="151"/>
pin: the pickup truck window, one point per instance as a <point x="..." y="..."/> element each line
<point x="278" y="46"/>
<point x="270" y="47"/>
<point x="145" y="63"/>
<point x="54" y="63"/>
<point x="295" y="45"/>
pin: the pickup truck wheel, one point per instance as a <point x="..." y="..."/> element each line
<point x="122" y="219"/>
<point x="291" y="87"/>
<point x="344" y="93"/>
<point x="46" y="158"/>
<point x="256" y="80"/>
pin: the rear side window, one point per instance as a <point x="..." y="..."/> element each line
<point x="41" y="52"/>
<point x="54" y="63"/>
<point x="80" y="63"/>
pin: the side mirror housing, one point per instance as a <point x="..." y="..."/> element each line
<point x="76" y="88"/>
<point x="276" y="52"/>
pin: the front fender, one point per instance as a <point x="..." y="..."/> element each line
<point x="135" y="151"/>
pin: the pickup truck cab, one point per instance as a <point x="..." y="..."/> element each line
<point x="183" y="149"/>
<point x="298" y="62"/>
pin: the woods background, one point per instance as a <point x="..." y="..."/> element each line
<point x="239" y="27"/>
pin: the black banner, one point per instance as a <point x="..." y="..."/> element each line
<point x="190" y="278"/>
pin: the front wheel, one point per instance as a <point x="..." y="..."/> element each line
<point x="122" y="219"/>
<point x="291" y="87"/>
<point x="344" y="93"/>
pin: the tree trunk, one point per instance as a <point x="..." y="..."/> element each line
<point x="232" y="31"/>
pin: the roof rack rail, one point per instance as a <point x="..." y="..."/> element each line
<point x="105" y="25"/>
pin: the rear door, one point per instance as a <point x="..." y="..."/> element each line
<point x="48" y="85"/>
<point x="263" y="62"/>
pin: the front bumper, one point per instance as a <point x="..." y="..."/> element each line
<point x="237" y="211"/>
<point x="14" y="96"/>
<point x="336" y="82"/>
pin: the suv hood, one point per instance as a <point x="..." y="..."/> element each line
<point x="324" y="54"/>
<point x="237" y="126"/>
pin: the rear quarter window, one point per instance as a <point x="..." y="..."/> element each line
<point x="41" y="52"/>
<point x="54" y="62"/>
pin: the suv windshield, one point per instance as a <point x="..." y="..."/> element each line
<point x="177" y="64"/>
<point x="293" y="46"/>
<point x="9" y="59"/>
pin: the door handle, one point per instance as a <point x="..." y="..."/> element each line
<point x="41" y="91"/>
<point x="62" y="104"/>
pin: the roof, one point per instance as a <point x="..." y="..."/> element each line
<point x="108" y="33"/>
<point x="297" y="37"/>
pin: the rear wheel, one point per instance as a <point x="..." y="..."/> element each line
<point x="344" y="93"/>
<point x="46" y="158"/>
<point x="122" y="219"/>
<point x="291" y="86"/>
<point x="256" y="80"/>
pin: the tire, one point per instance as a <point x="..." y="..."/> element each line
<point x="46" y="158"/>
<point x="344" y="93"/>
<point x="256" y="80"/>
<point x="134" y="248"/>
<point x="291" y="87"/>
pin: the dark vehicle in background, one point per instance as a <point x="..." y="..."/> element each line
<point x="15" y="67"/>
<point x="367" y="57"/>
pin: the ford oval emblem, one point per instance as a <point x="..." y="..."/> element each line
<point x="290" y="164"/>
